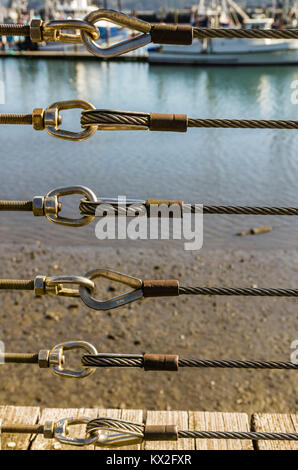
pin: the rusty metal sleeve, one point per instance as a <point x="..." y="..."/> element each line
<point x="161" y="432"/>
<point x="159" y="362"/>
<point x="164" y="288"/>
<point x="171" y="34"/>
<point x="14" y="30"/>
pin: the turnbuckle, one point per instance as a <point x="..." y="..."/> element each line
<point x="122" y="20"/>
<point x="56" y="359"/>
<point x="50" y="205"/>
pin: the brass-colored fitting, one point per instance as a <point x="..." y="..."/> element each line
<point x="38" y="119"/>
<point x="49" y="429"/>
<point x="38" y="204"/>
<point x="45" y="205"/>
<point x="51" y="205"/>
<point x="43" y="358"/>
<point x="36" y="27"/>
<point x="39" y="285"/>
<point x="42" y="287"/>
<point x="56" y="357"/>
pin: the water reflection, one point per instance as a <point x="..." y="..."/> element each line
<point x="204" y="165"/>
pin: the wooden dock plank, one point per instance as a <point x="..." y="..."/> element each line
<point x="185" y="420"/>
<point x="18" y="415"/>
<point x="169" y="417"/>
<point x="217" y="421"/>
<point x="49" y="414"/>
<point x="275" y="423"/>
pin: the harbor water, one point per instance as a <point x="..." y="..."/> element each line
<point x="206" y="166"/>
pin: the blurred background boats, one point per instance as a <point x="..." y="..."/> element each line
<point x="213" y="13"/>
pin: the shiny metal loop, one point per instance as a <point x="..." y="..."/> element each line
<point x="57" y="219"/>
<point x="117" y="301"/>
<point x="52" y="31"/>
<point x="56" y="359"/>
<point x="122" y="20"/>
<point x="61" y="432"/>
<point x="55" y="284"/>
<point x="51" y="120"/>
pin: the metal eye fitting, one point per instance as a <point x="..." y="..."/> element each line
<point x="61" y="432"/>
<point x="52" y="200"/>
<point x="121" y="20"/>
<point x="115" y="302"/>
<point x="51" y="120"/>
<point x="56" y="359"/>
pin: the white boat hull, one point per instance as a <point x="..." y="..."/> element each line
<point x="229" y="52"/>
<point x="257" y="58"/>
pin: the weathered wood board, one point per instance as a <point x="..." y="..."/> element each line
<point x="275" y="423"/>
<point x="216" y="421"/>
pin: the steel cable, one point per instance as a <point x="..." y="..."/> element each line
<point x="254" y="436"/>
<point x="139" y="430"/>
<point x="115" y="361"/>
<point x="88" y="208"/>
<point x="243" y="123"/>
<point x="238" y="291"/>
<point x="245" y="33"/>
<point x="98" y="117"/>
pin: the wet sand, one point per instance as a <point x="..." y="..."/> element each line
<point x="192" y="326"/>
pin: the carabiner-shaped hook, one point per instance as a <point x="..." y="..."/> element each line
<point x="52" y="200"/>
<point x="51" y="120"/>
<point x="51" y="31"/>
<point x="61" y="432"/>
<point x="122" y="20"/>
<point x="56" y="359"/>
<point x="115" y="302"/>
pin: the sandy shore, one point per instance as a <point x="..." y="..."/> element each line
<point x="202" y="327"/>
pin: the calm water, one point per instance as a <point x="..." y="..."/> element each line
<point x="215" y="166"/>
